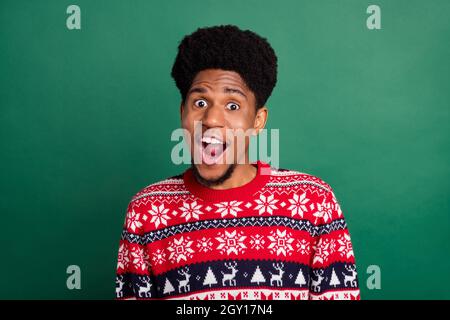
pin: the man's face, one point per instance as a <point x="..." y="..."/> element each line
<point x="222" y="103"/>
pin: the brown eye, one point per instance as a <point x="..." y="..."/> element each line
<point x="200" y="103"/>
<point x="232" y="106"/>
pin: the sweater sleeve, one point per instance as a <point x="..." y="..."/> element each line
<point x="133" y="273"/>
<point x="333" y="274"/>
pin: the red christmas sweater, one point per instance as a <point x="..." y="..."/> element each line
<point x="282" y="236"/>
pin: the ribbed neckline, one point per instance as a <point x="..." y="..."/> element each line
<point x="243" y="192"/>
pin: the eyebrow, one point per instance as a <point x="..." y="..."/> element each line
<point x="225" y="90"/>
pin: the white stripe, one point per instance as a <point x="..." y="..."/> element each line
<point x="336" y="295"/>
<point x="159" y="193"/>
<point x="285" y="184"/>
<point x="252" y="294"/>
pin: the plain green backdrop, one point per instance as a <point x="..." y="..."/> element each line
<point x="86" y="117"/>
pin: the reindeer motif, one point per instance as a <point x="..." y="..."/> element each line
<point x="350" y="278"/>
<point x="277" y="277"/>
<point x="315" y="284"/>
<point x="185" y="282"/>
<point x="119" y="292"/>
<point x="230" y="276"/>
<point x="146" y="289"/>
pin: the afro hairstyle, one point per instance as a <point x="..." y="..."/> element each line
<point x="229" y="48"/>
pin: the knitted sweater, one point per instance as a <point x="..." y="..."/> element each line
<point x="280" y="236"/>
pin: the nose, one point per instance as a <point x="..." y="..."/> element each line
<point x="213" y="116"/>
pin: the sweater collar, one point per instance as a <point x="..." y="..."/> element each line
<point x="243" y="192"/>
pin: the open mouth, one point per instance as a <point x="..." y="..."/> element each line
<point x="212" y="149"/>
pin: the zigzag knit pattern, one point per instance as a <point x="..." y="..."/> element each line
<point x="282" y="236"/>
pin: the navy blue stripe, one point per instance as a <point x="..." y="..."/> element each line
<point x="278" y="221"/>
<point x="242" y="278"/>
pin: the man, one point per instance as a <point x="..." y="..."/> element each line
<point x="227" y="228"/>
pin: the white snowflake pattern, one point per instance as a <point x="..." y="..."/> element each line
<point x="324" y="210"/>
<point x="140" y="258"/>
<point x="204" y="244"/>
<point x="159" y="257"/>
<point x="266" y="204"/>
<point x="336" y="205"/>
<point x="281" y="243"/>
<point x="191" y="210"/>
<point x="123" y="259"/>
<point x="303" y="247"/>
<point x="133" y="220"/>
<point x="231" y="242"/>
<point x="345" y="246"/>
<point x="180" y="249"/>
<point x="257" y="242"/>
<point x="231" y="208"/>
<point x="322" y="250"/>
<point x="298" y="206"/>
<point x="159" y="215"/>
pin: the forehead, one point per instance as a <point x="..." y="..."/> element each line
<point x="222" y="81"/>
<point x="215" y="78"/>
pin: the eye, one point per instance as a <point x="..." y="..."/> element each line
<point x="232" y="106"/>
<point x="200" y="103"/>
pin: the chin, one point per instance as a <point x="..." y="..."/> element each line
<point x="211" y="172"/>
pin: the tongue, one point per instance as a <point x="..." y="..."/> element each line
<point x="211" y="154"/>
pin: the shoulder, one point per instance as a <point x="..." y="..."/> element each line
<point x="314" y="193"/>
<point x="287" y="177"/>
<point x="158" y="193"/>
<point x="169" y="186"/>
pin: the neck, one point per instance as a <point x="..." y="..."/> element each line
<point x="242" y="174"/>
<point x="242" y="184"/>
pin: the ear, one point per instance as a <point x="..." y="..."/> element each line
<point x="260" y="119"/>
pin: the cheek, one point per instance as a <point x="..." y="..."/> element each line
<point x="242" y="120"/>
<point x="241" y="139"/>
<point x="187" y="121"/>
<point x="188" y="125"/>
<point x="240" y="145"/>
<point x="185" y="124"/>
<point x="189" y="116"/>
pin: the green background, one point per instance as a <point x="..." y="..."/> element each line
<point x="86" y="117"/>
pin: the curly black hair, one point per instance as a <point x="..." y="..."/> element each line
<point x="229" y="48"/>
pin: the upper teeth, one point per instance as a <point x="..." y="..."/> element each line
<point x="211" y="140"/>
